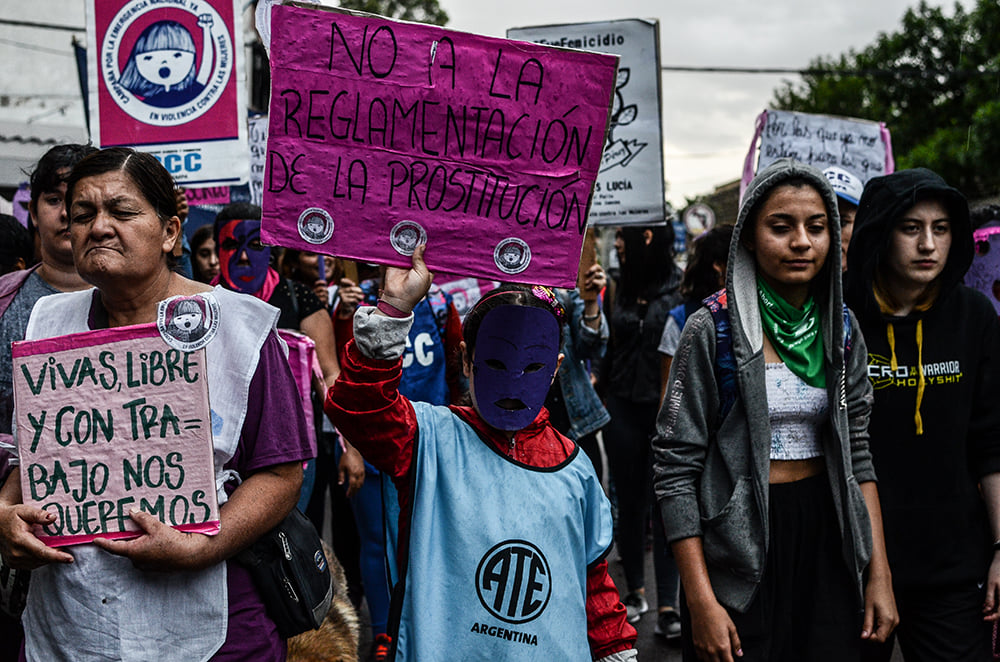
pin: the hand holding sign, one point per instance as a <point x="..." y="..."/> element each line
<point x="161" y="547"/>
<point x="19" y="546"/>
<point x="405" y="288"/>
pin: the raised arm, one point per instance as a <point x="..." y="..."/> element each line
<point x="207" y="48"/>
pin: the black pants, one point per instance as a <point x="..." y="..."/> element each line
<point x="627" y="443"/>
<point x="806" y="607"/>
<point x="938" y="625"/>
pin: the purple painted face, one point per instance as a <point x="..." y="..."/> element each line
<point x="239" y="238"/>
<point x="516" y="356"/>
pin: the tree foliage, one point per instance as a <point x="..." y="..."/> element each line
<point x="935" y="83"/>
<point x="421" y="11"/>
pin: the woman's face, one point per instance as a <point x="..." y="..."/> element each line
<point x="791" y="240"/>
<point x="309" y="266"/>
<point x="243" y="259"/>
<point x="49" y="216"/>
<point x="206" y="261"/>
<point x="115" y="232"/>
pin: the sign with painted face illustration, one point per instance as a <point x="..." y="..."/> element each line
<point x="383" y="134"/>
<point x="167" y="78"/>
<point x="114" y="420"/>
<point x="629" y="188"/>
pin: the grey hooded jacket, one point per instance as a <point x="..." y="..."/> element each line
<point x="711" y="475"/>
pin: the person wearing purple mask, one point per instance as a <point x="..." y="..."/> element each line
<point x="500" y="514"/>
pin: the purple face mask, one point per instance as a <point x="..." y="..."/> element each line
<point x="235" y="238"/>
<point x="516" y="355"/>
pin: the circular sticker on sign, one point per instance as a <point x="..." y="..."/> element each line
<point x="167" y="65"/>
<point x="315" y="225"/>
<point x="406" y="236"/>
<point x="512" y="255"/>
<point x="188" y="323"/>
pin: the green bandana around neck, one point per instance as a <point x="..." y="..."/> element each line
<point x="794" y="334"/>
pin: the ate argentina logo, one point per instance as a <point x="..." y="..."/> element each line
<point x="513" y="581"/>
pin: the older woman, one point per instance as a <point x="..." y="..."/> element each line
<point x="163" y="594"/>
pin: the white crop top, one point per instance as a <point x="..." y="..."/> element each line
<point x="797" y="413"/>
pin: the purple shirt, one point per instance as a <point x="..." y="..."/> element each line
<point x="266" y="440"/>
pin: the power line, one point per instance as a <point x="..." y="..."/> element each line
<point x="44" y="26"/>
<point x="894" y="73"/>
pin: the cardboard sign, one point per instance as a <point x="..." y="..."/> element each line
<point x="384" y="134"/>
<point x="209" y="195"/>
<point x="112" y="420"/>
<point x="167" y="78"/>
<point x="984" y="273"/>
<point x="861" y="147"/>
<point x="629" y="189"/>
<point x="258" y="151"/>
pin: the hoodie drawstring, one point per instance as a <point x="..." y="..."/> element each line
<point x="920" y="382"/>
<point x="890" y="333"/>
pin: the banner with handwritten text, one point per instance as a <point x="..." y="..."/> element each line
<point x="629" y="190"/>
<point x="860" y="147"/>
<point x="110" y="421"/>
<point x="384" y="134"/>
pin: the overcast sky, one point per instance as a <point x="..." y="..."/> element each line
<point x="707" y="119"/>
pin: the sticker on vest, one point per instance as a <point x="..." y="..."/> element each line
<point x="315" y="225"/>
<point x="512" y="255"/>
<point x="513" y="581"/>
<point x="188" y="323"/>
<point x="406" y="236"/>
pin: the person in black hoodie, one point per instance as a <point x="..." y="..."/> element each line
<point x="630" y="379"/>
<point x="934" y="363"/>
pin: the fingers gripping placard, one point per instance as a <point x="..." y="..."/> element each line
<point x="405" y="132"/>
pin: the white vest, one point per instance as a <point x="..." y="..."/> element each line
<point x="101" y="607"/>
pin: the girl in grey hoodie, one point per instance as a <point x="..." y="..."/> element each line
<point x="763" y="473"/>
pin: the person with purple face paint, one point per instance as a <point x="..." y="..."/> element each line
<point x="503" y="526"/>
<point x="245" y="266"/>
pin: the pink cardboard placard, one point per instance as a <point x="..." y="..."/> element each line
<point x="209" y="195"/>
<point x="112" y="420"/>
<point x="384" y="133"/>
<point x="984" y="272"/>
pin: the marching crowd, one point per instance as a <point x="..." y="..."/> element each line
<point x="804" y="420"/>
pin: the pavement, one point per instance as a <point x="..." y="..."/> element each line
<point x="650" y="646"/>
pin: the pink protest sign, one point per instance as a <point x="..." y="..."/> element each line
<point x="385" y="134"/>
<point x="984" y="273"/>
<point x="305" y="368"/>
<point x="210" y="195"/>
<point x="167" y="78"/>
<point x="108" y="421"/>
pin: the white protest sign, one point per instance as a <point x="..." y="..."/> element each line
<point x="167" y="77"/>
<point x="629" y="188"/>
<point x="258" y="155"/>
<point x="858" y="146"/>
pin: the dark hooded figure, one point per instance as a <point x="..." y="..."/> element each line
<point x="934" y="362"/>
